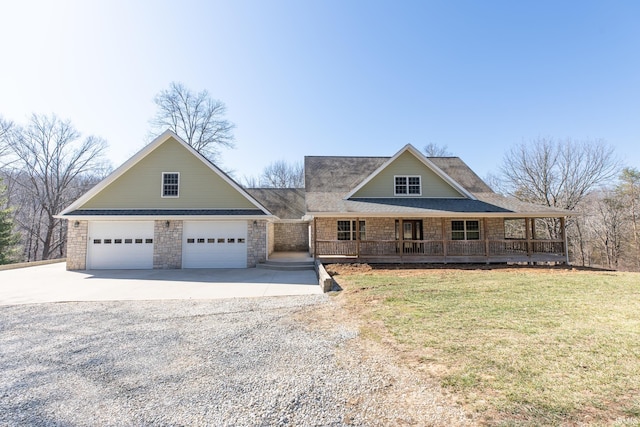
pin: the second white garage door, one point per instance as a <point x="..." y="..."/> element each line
<point x="219" y="244"/>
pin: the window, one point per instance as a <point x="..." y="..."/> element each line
<point x="210" y="240"/>
<point x="191" y="240"/>
<point x="170" y="184"/>
<point x="465" y="230"/>
<point x="96" y="241"/>
<point x="138" y="240"/>
<point x="148" y="240"/>
<point x="128" y="241"/>
<point x="347" y="230"/>
<point x="407" y="186"/>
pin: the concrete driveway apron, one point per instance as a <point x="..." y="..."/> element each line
<point x="53" y="283"/>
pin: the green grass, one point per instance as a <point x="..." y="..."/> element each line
<point x="519" y="346"/>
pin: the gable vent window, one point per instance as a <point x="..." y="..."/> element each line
<point x="407" y="186"/>
<point x="170" y="184"/>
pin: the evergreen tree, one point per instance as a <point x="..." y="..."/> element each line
<point x="8" y="239"/>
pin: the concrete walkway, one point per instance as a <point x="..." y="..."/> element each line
<point x="52" y="283"/>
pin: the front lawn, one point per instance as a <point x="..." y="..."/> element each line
<point x="518" y="346"/>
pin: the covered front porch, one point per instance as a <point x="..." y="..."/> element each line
<point x="437" y="240"/>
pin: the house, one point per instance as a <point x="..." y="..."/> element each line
<point x="169" y="207"/>
<point x="410" y="208"/>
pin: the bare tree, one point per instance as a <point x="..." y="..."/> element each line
<point x="195" y="117"/>
<point x="280" y="174"/>
<point x="495" y="182"/>
<point x="628" y="191"/>
<point x="8" y="238"/>
<point x="610" y="227"/>
<point x="51" y="162"/>
<point x="5" y="128"/>
<point x="558" y="173"/>
<point x="434" y="150"/>
<point x="250" y="182"/>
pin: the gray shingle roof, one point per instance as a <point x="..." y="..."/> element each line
<point x="329" y="179"/>
<point x="461" y="173"/>
<point x="285" y="203"/>
<point x="322" y="174"/>
<point x="448" y="205"/>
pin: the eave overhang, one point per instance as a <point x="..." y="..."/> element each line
<point x="165" y="214"/>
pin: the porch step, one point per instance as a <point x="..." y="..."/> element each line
<point x="286" y="265"/>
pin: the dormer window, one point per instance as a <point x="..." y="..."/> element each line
<point x="170" y="184"/>
<point x="407" y="186"/>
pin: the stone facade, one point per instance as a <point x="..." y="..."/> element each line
<point x="379" y="228"/>
<point x="291" y="236"/>
<point x="77" y="244"/>
<point x="495" y="228"/>
<point x="271" y="237"/>
<point x="256" y="242"/>
<point x="385" y="228"/>
<point x="167" y="246"/>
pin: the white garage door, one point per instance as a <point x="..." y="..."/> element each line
<point x="120" y="244"/>
<point x="220" y="244"/>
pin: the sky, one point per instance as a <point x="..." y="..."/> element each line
<point x="336" y="78"/>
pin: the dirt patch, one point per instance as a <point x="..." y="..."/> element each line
<point x="409" y="394"/>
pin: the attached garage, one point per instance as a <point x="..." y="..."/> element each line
<point x="167" y="207"/>
<point x="214" y="244"/>
<point x="120" y="245"/>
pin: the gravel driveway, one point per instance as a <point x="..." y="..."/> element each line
<point x="220" y="362"/>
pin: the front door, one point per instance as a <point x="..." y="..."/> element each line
<point x="411" y="234"/>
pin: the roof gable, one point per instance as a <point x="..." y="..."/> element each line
<point x="137" y="184"/>
<point x="409" y="162"/>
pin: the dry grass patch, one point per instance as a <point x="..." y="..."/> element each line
<point x="519" y="346"/>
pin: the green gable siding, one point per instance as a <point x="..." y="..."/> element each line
<point x="140" y="187"/>
<point x="382" y="185"/>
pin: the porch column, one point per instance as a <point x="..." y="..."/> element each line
<point x="565" y="248"/>
<point x="486" y="238"/>
<point x="358" y="237"/>
<point x="315" y="237"/>
<point x="444" y="240"/>
<point x="527" y="223"/>
<point x="533" y="228"/>
<point x="401" y="235"/>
